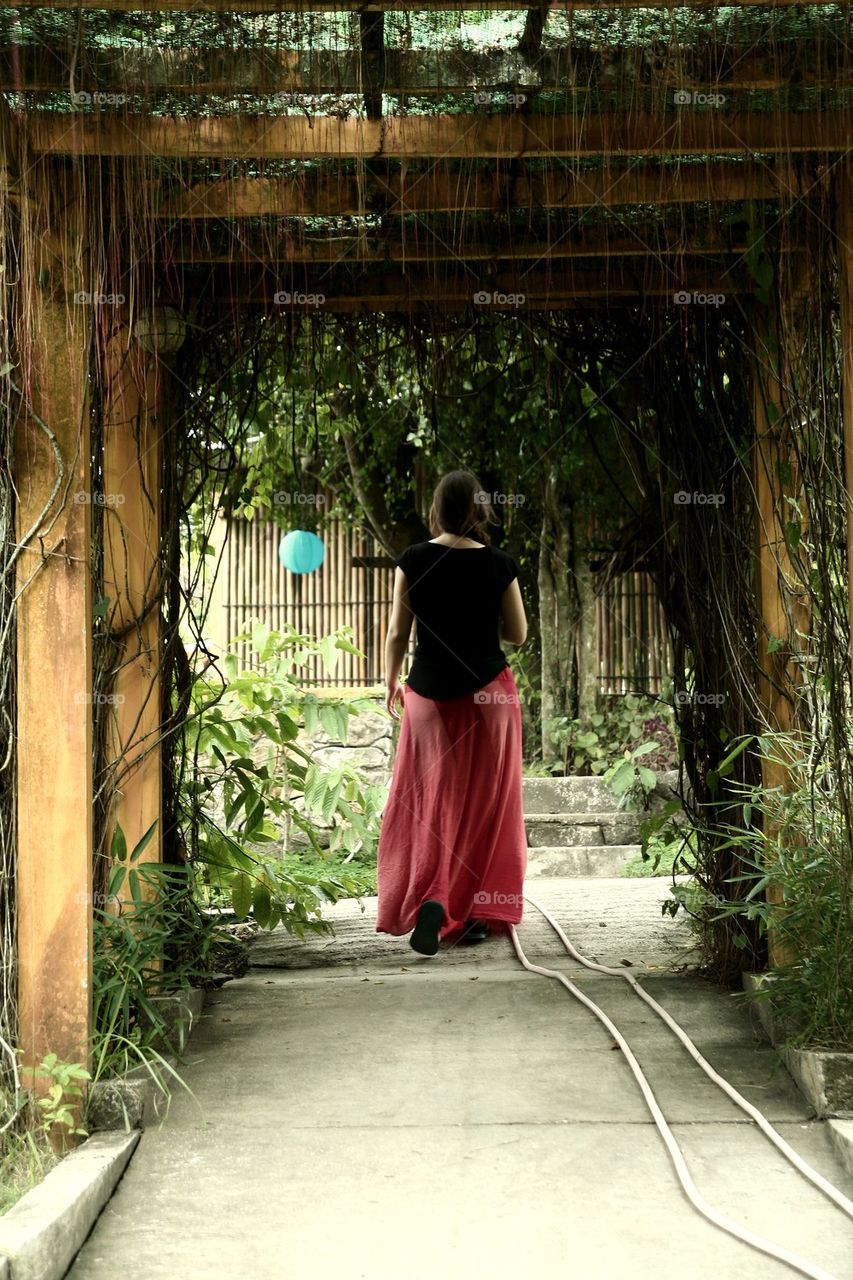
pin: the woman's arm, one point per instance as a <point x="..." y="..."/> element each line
<point x="513" y="623"/>
<point x="397" y="641"/>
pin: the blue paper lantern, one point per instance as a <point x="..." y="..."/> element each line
<point x="301" y="551"/>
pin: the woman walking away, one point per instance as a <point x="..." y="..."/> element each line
<point x="452" y="847"/>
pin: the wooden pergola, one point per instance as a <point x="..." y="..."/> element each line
<point x="343" y="206"/>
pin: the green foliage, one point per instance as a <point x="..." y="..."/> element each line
<point x="798" y="841"/>
<point x="63" y="1094"/>
<point x="25" y="1158"/>
<point x="253" y="785"/>
<point x="667" y="841"/>
<point x="152" y="939"/>
<point x="37" y="1124"/>
<point x="592" y="745"/>
<point x="632" y="782"/>
<point x="657" y="859"/>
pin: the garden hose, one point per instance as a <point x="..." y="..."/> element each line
<point x="707" y="1210"/>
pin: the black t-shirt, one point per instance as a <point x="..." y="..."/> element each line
<point x="455" y="593"/>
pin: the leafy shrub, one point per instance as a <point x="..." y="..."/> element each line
<point x="252" y="785"/>
<point x="591" y="746"/>
<point x="798" y="841"/>
<point x="246" y="788"/>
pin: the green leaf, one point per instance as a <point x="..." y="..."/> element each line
<point x="330" y="800"/>
<point x="735" y="752"/>
<point x="260" y="636"/>
<point x="268" y="727"/>
<point x="254" y="815"/>
<point x="288" y="728"/>
<point x="261" y="904"/>
<point x="241" y="895"/>
<point x="315" y="786"/>
<point x="623" y="778"/>
<point x="343" y="722"/>
<point x="116" y="880"/>
<point x="141" y="845"/>
<point x="330" y="653"/>
<point x="345" y="645"/>
<point x="309" y="712"/>
<point x="118" y="846"/>
<point x="329" y="720"/>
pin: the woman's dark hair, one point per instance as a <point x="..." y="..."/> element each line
<point x="460" y="506"/>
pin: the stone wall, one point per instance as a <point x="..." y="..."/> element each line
<point x="369" y="747"/>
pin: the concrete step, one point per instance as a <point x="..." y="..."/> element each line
<point x="595" y="860"/>
<point x="582" y="828"/>
<point x="582" y="795"/>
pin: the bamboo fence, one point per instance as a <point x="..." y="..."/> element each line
<point x="354" y="586"/>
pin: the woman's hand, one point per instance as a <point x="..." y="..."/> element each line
<point x="395" y="691"/>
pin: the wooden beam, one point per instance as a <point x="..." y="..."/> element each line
<point x="133" y="394"/>
<point x="844" y="251"/>
<point x="684" y="131"/>
<point x="54" y="658"/>
<point x="299" y="73"/>
<point x="515" y="291"/>
<point x="783" y="600"/>
<point x="424" y="244"/>
<point x="362" y="6"/>
<point x="438" y="191"/>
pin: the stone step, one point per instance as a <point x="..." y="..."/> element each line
<point x="582" y="828"/>
<point x="597" y="860"/>
<point x="581" y="795"/>
<point x="567" y="795"/>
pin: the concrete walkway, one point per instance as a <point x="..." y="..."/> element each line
<point x="364" y="1114"/>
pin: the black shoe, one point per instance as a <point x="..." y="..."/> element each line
<point x="425" y="933"/>
<point x="475" y="931"/>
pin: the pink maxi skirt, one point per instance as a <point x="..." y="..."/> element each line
<point x="453" y="826"/>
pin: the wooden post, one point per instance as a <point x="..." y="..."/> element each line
<point x="844" y="246"/>
<point x="782" y="600"/>
<point x="132" y="579"/>
<point x="54" y="657"/>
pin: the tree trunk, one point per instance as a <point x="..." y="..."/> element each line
<point x="586" y="647"/>
<point x="558" y="613"/>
